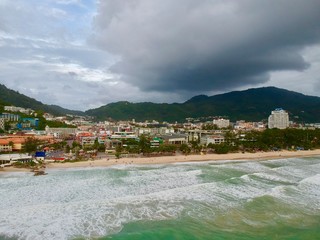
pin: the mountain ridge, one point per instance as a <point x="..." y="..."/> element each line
<point x="253" y="104"/>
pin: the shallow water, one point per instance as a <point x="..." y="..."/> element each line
<point x="274" y="199"/>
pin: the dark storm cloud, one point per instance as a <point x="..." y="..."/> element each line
<point x="192" y="45"/>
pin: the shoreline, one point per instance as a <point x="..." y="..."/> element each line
<point x="105" y="162"/>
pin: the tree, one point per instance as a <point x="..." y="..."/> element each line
<point x="76" y="144"/>
<point x="67" y="149"/>
<point x="167" y="148"/>
<point x="31" y="145"/>
<point x="102" y="147"/>
<point x="11" y="144"/>
<point x="210" y="126"/>
<point x="222" y="148"/>
<point x="195" y="146"/>
<point x="185" y="148"/>
<point x="118" y="151"/>
<point x="144" y="144"/>
<point x="96" y="144"/>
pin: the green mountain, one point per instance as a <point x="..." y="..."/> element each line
<point x="250" y="105"/>
<point x="11" y="97"/>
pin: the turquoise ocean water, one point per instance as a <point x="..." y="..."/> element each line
<point x="274" y="199"/>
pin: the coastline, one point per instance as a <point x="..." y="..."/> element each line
<point x="105" y="162"/>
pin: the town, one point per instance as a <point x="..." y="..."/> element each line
<point x="30" y="137"/>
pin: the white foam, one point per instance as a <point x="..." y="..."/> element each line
<point x="273" y="177"/>
<point x="97" y="202"/>
<point x="313" y="180"/>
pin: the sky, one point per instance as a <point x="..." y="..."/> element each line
<point x="82" y="54"/>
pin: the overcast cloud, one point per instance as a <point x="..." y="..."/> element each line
<point x="84" y="54"/>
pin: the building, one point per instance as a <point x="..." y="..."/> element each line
<point x="18" y="109"/>
<point x="5" y="145"/>
<point x="279" y="118"/>
<point x="16" y="157"/>
<point x="175" y="139"/>
<point x="123" y="135"/>
<point x="214" y="139"/>
<point x="88" y="141"/>
<point x="2" y="126"/>
<point x="40" y="155"/>
<point x="16" y="143"/>
<point x="10" y="117"/>
<point x="156" y="142"/>
<point x="60" y="132"/>
<point x="221" y="122"/>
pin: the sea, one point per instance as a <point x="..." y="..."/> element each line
<point x="266" y="199"/>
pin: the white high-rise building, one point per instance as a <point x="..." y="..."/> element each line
<point x="279" y="118"/>
<point x="221" y="122"/>
<point x="2" y="123"/>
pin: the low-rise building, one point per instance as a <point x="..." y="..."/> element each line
<point x="16" y="157"/>
<point x="5" y="145"/>
<point x="87" y="141"/>
<point x="215" y="139"/>
<point x="40" y="155"/>
<point x="61" y="132"/>
<point x="176" y="139"/>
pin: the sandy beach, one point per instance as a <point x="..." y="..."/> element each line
<point x="104" y="162"/>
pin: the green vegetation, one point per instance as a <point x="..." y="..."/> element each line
<point x="53" y="124"/>
<point x="143" y="146"/>
<point x="31" y="145"/>
<point x="269" y="140"/>
<point x="249" y="105"/>
<point x="10" y="97"/>
<point x="184" y="148"/>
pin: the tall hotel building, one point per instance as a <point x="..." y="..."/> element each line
<point x="279" y="118"/>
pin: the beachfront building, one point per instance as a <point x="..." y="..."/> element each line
<point x="16" y="143"/>
<point x="214" y="139"/>
<point x="40" y="155"/>
<point x="279" y="118"/>
<point x="221" y="122"/>
<point x="156" y="142"/>
<point x="175" y="139"/>
<point x="5" y="145"/>
<point x="15" y="157"/>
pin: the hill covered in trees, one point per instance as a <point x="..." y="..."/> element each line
<point x="251" y="105"/>
<point x="11" y="97"/>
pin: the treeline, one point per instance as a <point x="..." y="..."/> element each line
<point x="270" y="140"/>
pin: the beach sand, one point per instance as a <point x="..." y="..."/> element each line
<point x="189" y="158"/>
<point x="104" y="162"/>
